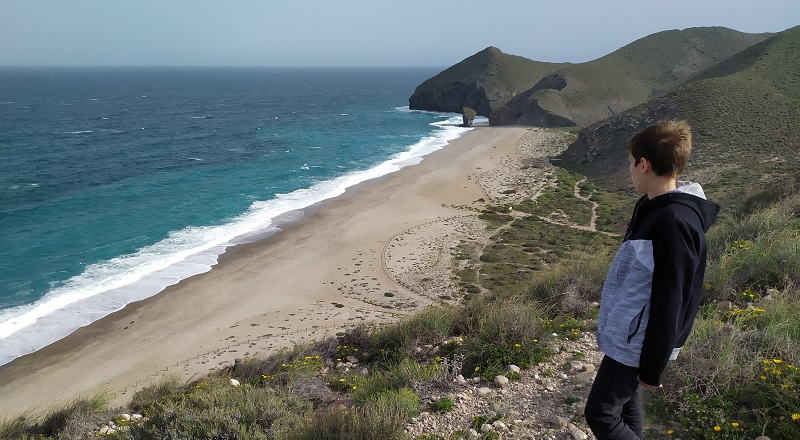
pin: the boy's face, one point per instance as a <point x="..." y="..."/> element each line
<point x="636" y="172"/>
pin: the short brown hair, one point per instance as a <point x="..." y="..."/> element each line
<point x="665" y="144"/>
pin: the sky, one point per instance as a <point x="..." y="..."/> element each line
<point x="351" y="32"/>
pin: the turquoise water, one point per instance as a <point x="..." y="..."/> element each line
<point x="115" y="183"/>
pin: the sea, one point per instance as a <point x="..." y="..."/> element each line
<point x="118" y="182"/>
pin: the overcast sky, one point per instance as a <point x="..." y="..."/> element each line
<point x="351" y="33"/>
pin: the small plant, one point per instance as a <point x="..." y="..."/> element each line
<point x="441" y="405"/>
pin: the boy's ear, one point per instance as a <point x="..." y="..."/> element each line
<point x="645" y="164"/>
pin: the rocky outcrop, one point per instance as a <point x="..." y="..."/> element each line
<point x="467" y="116"/>
<point x="484" y="81"/>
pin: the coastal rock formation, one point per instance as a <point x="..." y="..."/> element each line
<point x="583" y="93"/>
<point x="467" y="115"/>
<point x="484" y="81"/>
<point x="746" y="106"/>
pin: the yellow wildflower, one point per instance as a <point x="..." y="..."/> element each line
<point x="777" y="361"/>
<point x="669" y="431"/>
<point x="717" y="428"/>
<point x="795" y="416"/>
<point x="735" y="424"/>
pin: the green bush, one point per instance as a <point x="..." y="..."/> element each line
<point x="392" y="343"/>
<point x="441" y="405"/>
<point x="501" y="331"/>
<point x="403" y="374"/>
<point x="758" y="251"/>
<point x="572" y="286"/>
<point x="382" y="417"/>
<point x="217" y="410"/>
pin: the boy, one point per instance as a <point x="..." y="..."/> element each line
<point x="652" y="290"/>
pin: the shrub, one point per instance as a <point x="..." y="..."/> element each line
<point x="221" y="411"/>
<point x="755" y="252"/>
<point x="392" y="343"/>
<point x="572" y="286"/>
<point x="382" y="417"/>
<point x="405" y="373"/>
<point x="441" y="405"/>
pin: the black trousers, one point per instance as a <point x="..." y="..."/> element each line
<point x="614" y="407"/>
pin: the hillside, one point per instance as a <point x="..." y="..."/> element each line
<point x="744" y="114"/>
<point x="582" y="93"/>
<point x="484" y="81"/>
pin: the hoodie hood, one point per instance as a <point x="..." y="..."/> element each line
<point x="689" y="194"/>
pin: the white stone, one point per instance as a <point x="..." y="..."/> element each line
<point x="136" y="416"/>
<point x="472" y="434"/>
<point x="501" y="381"/>
<point x="500" y="425"/>
<point x="513" y="368"/>
<point x="482" y="391"/>
<point x="563" y="375"/>
<point x="352" y="359"/>
<point x="576" y="365"/>
<point x="576" y="433"/>
<point x="339" y="365"/>
<point x="104" y="430"/>
<point x="125" y="416"/>
<point x="486" y="427"/>
<point x="234" y="382"/>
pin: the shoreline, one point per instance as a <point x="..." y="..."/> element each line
<point x="207" y="320"/>
<point x="62" y="310"/>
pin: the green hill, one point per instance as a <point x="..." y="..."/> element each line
<point x="484" y="81"/>
<point x="744" y="114"/>
<point x="582" y="93"/>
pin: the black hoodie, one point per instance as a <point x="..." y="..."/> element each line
<point x="652" y="292"/>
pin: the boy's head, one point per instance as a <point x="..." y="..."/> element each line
<point x="658" y="154"/>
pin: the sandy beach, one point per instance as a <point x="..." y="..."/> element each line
<point x="374" y="254"/>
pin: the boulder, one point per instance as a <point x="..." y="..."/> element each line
<point x="467" y="116"/>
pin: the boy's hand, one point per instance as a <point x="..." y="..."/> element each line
<point x="647" y="385"/>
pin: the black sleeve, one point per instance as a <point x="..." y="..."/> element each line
<point x="675" y="260"/>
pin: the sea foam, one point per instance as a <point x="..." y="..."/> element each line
<point x="108" y="286"/>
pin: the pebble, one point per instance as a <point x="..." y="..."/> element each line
<point x="513" y="368"/>
<point x="482" y="391"/>
<point x="557" y="421"/>
<point x="501" y="381"/>
<point x="486" y="427"/>
<point x="234" y="382"/>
